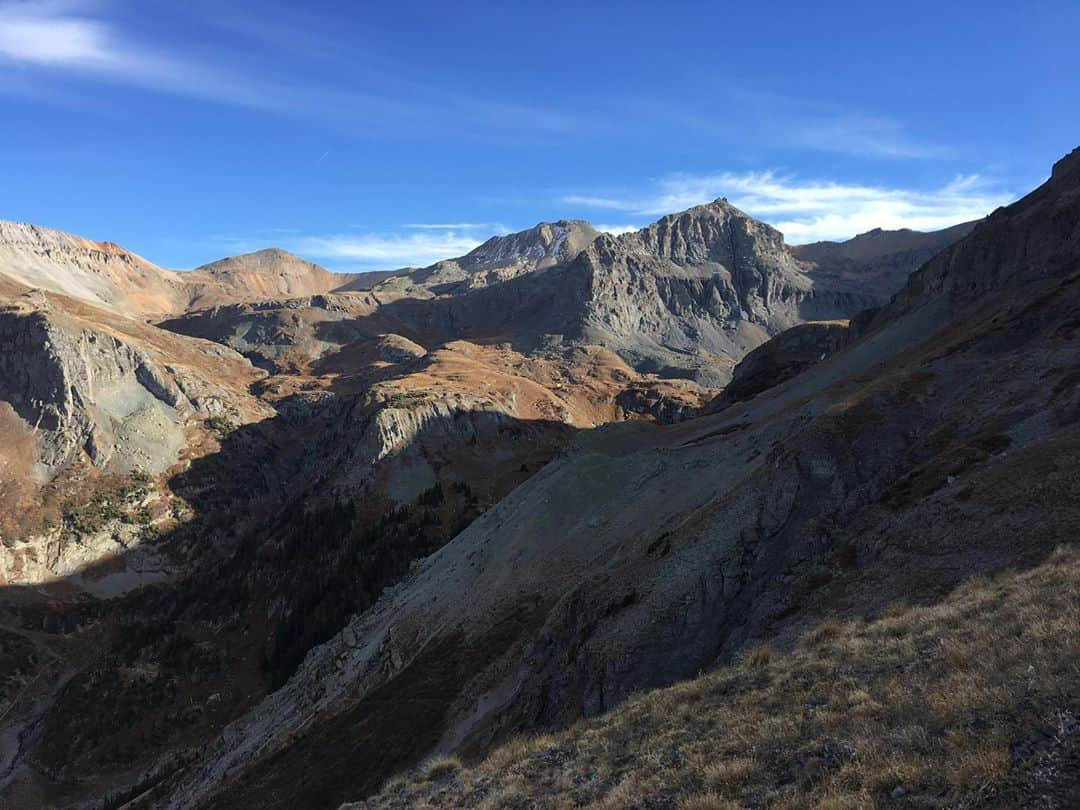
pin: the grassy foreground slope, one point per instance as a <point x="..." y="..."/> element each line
<point x="972" y="701"/>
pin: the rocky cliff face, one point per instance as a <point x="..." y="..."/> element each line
<point x="84" y="389"/>
<point x="102" y="406"/>
<point x="1027" y="242"/>
<point x="709" y="282"/>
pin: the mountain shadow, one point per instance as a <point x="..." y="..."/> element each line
<point x="295" y="526"/>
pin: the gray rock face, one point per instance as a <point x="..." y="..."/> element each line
<point x="710" y="281"/>
<point x="686" y="296"/>
<point x="85" y="389"/>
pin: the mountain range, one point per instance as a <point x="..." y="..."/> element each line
<point x="472" y="533"/>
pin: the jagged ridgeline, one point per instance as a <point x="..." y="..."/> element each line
<point x="273" y="535"/>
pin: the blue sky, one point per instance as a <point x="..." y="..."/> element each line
<point x="371" y="135"/>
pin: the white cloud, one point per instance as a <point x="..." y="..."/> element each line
<point x="387" y="251"/>
<point x="809" y="210"/>
<point x="615" y="230"/>
<point x="88" y="40"/>
<point x="46" y="34"/>
<point x="65" y="36"/>
<point x="350" y="251"/>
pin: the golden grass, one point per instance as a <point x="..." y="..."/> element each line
<point x="927" y="699"/>
<point x="441" y="767"/>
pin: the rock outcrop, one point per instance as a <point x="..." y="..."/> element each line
<point x="84" y="387"/>
<point x="286" y="335"/>
<point x="1025" y="243"/>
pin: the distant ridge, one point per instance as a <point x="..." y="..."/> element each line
<point x="874" y="244"/>
<point x="110" y="275"/>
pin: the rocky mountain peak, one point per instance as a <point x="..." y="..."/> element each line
<point x="707" y="233"/>
<point x="500" y="259"/>
<point x="549" y="242"/>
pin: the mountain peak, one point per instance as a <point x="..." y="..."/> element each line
<point x="267" y="274"/>
<point x="545" y="242"/>
<point x="502" y="258"/>
<point x="706" y="233"/>
<point x="266" y="260"/>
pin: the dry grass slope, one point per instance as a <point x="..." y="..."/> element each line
<point x="968" y="702"/>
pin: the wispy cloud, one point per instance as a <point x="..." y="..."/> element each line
<point x="69" y="36"/>
<point x="93" y="40"/>
<point x="772" y="120"/>
<point x="46" y="33"/>
<point x="370" y="251"/>
<point x="808" y="210"/>
<point x="860" y="136"/>
<point x="86" y="40"/>
<point x="386" y="251"/>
